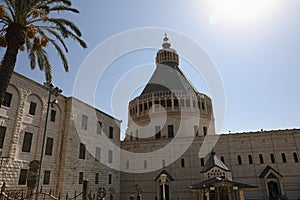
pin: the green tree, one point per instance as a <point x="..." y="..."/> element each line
<point x="31" y="25"/>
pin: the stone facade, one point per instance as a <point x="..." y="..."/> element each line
<point x="66" y="132"/>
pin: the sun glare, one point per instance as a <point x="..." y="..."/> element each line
<point x="242" y="9"/>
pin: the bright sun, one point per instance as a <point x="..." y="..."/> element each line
<point x="243" y="9"/>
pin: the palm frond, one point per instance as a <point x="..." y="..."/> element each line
<point x="63" y="8"/>
<point x="63" y="22"/>
<point x="61" y="55"/>
<point x="56" y="35"/>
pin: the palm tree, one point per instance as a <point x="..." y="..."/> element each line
<point x="28" y="25"/>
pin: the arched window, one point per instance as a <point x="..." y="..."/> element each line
<point x="202" y="161"/>
<point x="222" y="159"/>
<point x="239" y="159"/>
<point x="283" y="157"/>
<point x="182" y="162"/>
<point x="295" y="157"/>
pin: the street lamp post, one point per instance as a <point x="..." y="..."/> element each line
<point x="52" y="91"/>
<point x="163" y="179"/>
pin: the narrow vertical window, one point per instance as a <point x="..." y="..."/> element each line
<point x="204" y="130"/>
<point x="145" y="164"/>
<point x="272" y="158"/>
<point x="157" y="132"/>
<point x="26" y="147"/>
<point x="23" y="177"/>
<point x="2" y="136"/>
<point x="97" y="178"/>
<point x="283" y="157"/>
<point x="99" y="128"/>
<point x="127" y="164"/>
<point x="137" y="134"/>
<point x="110" y="156"/>
<point x="176" y="103"/>
<point x="84" y="122"/>
<point x="80" y="181"/>
<point x="202" y="105"/>
<point x="295" y="157"/>
<point x="250" y="159"/>
<point x="239" y="159"/>
<point x="97" y="154"/>
<point x="109" y="178"/>
<point x="222" y="159"/>
<point x="46" y="180"/>
<point x="163" y="163"/>
<point x="131" y="136"/>
<point x="7" y="99"/>
<point x="170" y="131"/>
<point x="182" y="162"/>
<point x="32" y="108"/>
<point x="111" y="132"/>
<point x="52" y="115"/>
<point x="202" y="162"/>
<point x="196" y="130"/>
<point x="261" y="159"/>
<point x="169" y="103"/>
<point x="49" y="146"/>
<point x="82" y="151"/>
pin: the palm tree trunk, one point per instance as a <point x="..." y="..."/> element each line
<point x="15" y="37"/>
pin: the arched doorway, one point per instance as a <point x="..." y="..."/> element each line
<point x="167" y="192"/>
<point x="274" y="192"/>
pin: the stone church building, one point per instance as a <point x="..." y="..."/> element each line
<point x="171" y="149"/>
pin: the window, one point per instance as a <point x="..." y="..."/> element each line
<point x="196" y="130"/>
<point x="46" y="180"/>
<point x="7" y="99"/>
<point x="27" y="142"/>
<point x="2" y="136"/>
<point x="163" y="103"/>
<point x="182" y="162"/>
<point x="82" y="151"/>
<point x="97" y="154"/>
<point x="202" y="162"/>
<point x="170" y="131"/>
<point x="110" y="156"/>
<point x="145" y="106"/>
<point x="283" y="157"/>
<point x="109" y="178"/>
<point x="32" y="108"/>
<point x="145" y="164"/>
<point x="239" y="159"/>
<point x="204" y="130"/>
<point x="52" y="115"/>
<point x="250" y="159"/>
<point x="80" y="178"/>
<point x="111" y="132"/>
<point x="131" y="136"/>
<point x="49" y="146"/>
<point x="163" y="163"/>
<point x="188" y="103"/>
<point x="97" y="178"/>
<point x="222" y="159"/>
<point x="295" y="157"/>
<point x="137" y="134"/>
<point x="202" y="105"/>
<point x="169" y="103"/>
<point x="84" y="122"/>
<point x="176" y="102"/>
<point x="23" y="177"/>
<point x="157" y="132"/>
<point x="140" y="107"/>
<point x="99" y="128"/>
<point x="272" y="158"/>
<point x="261" y="159"/>
<point x="127" y="164"/>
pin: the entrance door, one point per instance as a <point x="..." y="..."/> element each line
<point x="273" y="188"/>
<point x="166" y="190"/>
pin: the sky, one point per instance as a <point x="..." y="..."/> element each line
<point x="254" y="45"/>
